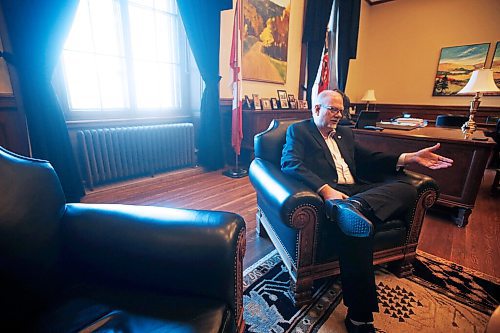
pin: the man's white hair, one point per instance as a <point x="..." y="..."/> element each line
<point x="322" y="96"/>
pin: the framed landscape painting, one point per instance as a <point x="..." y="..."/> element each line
<point x="265" y="40"/>
<point x="456" y="65"/>
<point x="495" y="66"/>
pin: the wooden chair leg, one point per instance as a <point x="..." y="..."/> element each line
<point x="402" y="268"/>
<point x="259" y="229"/>
<point x="495" y="187"/>
<point x="302" y="291"/>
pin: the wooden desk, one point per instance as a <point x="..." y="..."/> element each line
<point x="458" y="184"/>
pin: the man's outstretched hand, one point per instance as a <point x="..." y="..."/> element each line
<point x="427" y="158"/>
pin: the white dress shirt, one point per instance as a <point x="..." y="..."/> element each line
<point x="344" y="175"/>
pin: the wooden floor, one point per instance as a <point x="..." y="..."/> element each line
<point x="476" y="246"/>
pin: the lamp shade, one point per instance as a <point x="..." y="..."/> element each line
<point x="369" y="96"/>
<point x="480" y="81"/>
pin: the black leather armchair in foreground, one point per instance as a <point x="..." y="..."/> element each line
<point x="292" y="215"/>
<point x="73" y="267"/>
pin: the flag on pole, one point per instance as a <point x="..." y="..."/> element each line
<point x="324" y="78"/>
<point x="235" y="65"/>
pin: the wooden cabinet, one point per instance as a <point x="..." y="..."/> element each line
<point x="255" y="122"/>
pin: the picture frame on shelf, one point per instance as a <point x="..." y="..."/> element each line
<point x="274" y="103"/>
<point x="247" y="104"/>
<point x="302" y="104"/>
<point x="266" y="104"/>
<point x="256" y="102"/>
<point x="283" y="98"/>
<point x="292" y="101"/>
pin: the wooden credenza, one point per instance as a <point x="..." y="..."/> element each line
<point x="255" y="122"/>
<point x="458" y="184"/>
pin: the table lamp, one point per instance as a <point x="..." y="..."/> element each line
<point x="368" y="97"/>
<point x="480" y="81"/>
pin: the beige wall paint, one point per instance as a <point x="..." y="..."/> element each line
<point x="400" y="43"/>
<point x="264" y="89"/>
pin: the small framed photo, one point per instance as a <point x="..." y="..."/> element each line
<point x="274" y="103"/>
<point x="247" y="104"/>
<point x="303" y="104"/>
<point x="266" y="104"/>
<point x="293" y="104"/>
<point x="283" y="98"/>
<point x="291" y="97"/>
<point x="256" y="102"/>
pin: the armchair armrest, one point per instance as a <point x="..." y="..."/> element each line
<point x="427" y="194"/>
<point x="421" y="182"/>
<point x="176" y="251"/>
<point x="281" y="192"/>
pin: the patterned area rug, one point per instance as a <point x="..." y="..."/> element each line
<point x="440" y="297"/>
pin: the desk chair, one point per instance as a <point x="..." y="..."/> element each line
<point x="293" y="217"/>
<point x="455" y="121"/>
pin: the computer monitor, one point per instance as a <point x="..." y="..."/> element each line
<point x="367" y="118"/>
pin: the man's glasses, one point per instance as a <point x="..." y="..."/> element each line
<point x="332" y="109"/>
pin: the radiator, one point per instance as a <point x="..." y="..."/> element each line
<point x="112" y="154"/>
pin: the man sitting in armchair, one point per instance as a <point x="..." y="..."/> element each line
<point x="328" y="160"/>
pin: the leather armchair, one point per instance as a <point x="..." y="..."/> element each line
<point x="71" y="267"/>
<point x="293" y="217"/>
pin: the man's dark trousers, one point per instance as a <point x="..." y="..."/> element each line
<point x="382" y="202"/>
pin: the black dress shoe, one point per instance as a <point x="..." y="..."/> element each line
<point x="364" y="328"/>
<point x="349" y="218"/>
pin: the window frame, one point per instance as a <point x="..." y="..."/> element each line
<point x="132" y="112"/>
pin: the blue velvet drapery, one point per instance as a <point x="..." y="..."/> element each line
<point x="347" y="38"/>
<point x="202" y="23"/>
<point x="37" y="31"/>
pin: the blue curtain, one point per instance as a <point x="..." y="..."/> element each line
<point x="37" y="30"/>
<point x="201" y="20"/>
<point x="317" y="15"/>
<point x="348" y="29"/>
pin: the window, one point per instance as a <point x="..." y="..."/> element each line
<point x="126" y="56"/>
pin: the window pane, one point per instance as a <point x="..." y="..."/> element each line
<point x="168" y="38"/>
<point x="148" y="3"/>
<point x="106" y="26"/>
<point x="142" y="31"/>
<point x="157" y="85"/>
<point x="146" y="84"/>
<point x="81" y="80"/>
<point x="80" y="37"/>
<point x="169" y="86"/>
<point x="96" y="65"/>
<point x="112" y="82"/>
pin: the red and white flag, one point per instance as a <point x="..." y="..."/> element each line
<point x="324" y="78"/>
<point x="235" y="65"/>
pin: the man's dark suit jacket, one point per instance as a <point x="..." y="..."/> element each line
<point x="307" y="158"/>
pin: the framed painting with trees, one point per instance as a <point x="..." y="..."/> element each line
<point x="265" y="40"/>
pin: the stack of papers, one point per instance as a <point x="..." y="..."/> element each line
<point x="410" y="121"/>
<point x="403" y="123"/>
<point x="395" y="125"/>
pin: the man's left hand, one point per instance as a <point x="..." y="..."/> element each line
<point x="427" y="158"/>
